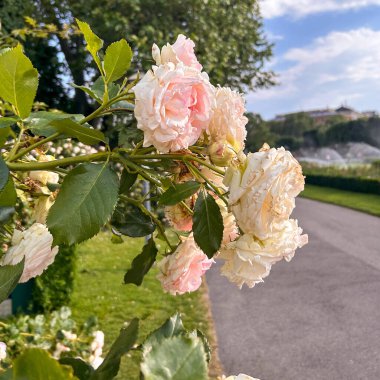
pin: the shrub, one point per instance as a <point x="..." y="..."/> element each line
<point x="54" y="287"/>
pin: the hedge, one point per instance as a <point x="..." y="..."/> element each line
<point x="356" y="184"/>
<point x="54" y="287"/>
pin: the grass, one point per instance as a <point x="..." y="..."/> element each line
<point x="99" y="291"/>
<point x="369" y="203"/>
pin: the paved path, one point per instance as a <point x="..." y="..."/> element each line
<point x="317" y="317"/>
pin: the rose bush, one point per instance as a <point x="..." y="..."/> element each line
<point x="186" y="140"/>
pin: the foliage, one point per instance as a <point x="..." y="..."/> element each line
<point x="53" y="289"/>
<point x="361" y="185"/>
<point x="56" y="333"/>
<point x="369" y="203"/>
<point x="236" y="27"/>
<point x="101" y="266"/>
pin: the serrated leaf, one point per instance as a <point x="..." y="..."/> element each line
<point x="117" y="60"/>
<point x="8" y="195"/>
<point x="98" y="89"/>
<point x="82" y="370"/>
<point x="40" y="122"/>
<point x="18" y="80"/>
<point x="84" y="204"/>
<point x="207" y="224"/>
<point x="179" y="192"/>
<point x="94" y="43"/>
<point x="88" y="91"/>
<point x="9" y="277"/>
<point x="37" y="364"/>
<point x="176" y="358"/>
<point x="141" y="264"/>
<point x="136" y="223"/>
<point x="84" y="134"/>
<point x="172" y="327"/>
<point x="124" y="342"/>
<point x="127" y="180"/>
<point x="4" y="174"/>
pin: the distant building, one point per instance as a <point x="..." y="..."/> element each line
<point x="323" y="115"/>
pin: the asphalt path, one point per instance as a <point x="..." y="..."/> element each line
<point x="317" y="317"/>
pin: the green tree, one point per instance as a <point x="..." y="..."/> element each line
<point x="258" y="133"/>
<point x="229" y="35"/>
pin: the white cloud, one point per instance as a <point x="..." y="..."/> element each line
<point x="339" y="67"/>
<point x="300" y="8"/>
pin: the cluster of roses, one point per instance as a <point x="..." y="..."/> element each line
<point x="177" y="106"/>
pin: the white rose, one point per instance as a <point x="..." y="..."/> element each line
<point x="262" y="194"/>
<point x="35" y="244"/>
<point x="228" y="122"/>
<point x="3" y="351"/>
<point x="249" y="260"/>
<point x="42" y="207"/>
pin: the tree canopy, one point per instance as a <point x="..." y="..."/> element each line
<point x="229" y="36"/>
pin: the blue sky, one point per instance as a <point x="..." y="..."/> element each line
<point x="327" y="52"/>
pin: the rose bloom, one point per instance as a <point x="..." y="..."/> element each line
<point x="231" y="231"/>
<point x="35" y="244"/>
<point x="182" y="271"/>
<point x="248" y="260"/>
<point x="173" y="106"/>
<point x="181" y="51"/>
<point x="179" y="217"/>
<point x="41" y="208"/>
<point x="228" y="121"/>
<point x="263" y="193"/>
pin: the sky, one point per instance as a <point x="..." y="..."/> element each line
<point x="327" y="53"/>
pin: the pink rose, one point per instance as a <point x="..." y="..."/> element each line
<point x="181" y="51"/>
<point x="182" y="271"/>
<point x="173" y="106"/>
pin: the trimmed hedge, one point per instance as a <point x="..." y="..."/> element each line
<point x="54" y="287"/>
<point x="356" y="184"/>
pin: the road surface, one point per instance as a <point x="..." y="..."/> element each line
<point x="317" y="317"/>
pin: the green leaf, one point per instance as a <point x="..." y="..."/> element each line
<point x="127" y="180"/>
<point x="18" y="80"/>
<point x="9" y="277"/>
<point x="136" y="223"/>
<point x="117" y="60"/>
<point x="94" y="43"/>
<point x="7" y="121"/>
<point x="175" y="358"/>
<point x="88" y="91"/>
<point x="8" y="195"/>
<point x="84" y="134"/>
<point x="172" y="327"/>
<point x="4" y="174"/>
<point x="82" y="370"/>
<point x="4" y="133"/>
<point x="85" y="202"/>
<point x="179" y="192"/>
<point x="98" y="89"/>
<point x="130" y="136"/>
<point x="141" y="264"/>
<point x="124" y="342"/>
<point x="5" y="214"/>
<point x="37" y="364"/>
<point x="207" y="224"/>
<point x="40" y="122"/>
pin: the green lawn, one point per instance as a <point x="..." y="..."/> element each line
<point x="99" y="291"/>
<point x="369" y="203"/>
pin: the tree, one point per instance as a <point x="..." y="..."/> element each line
<point x="229" y="35"/>
<point x="258" y="133"/>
